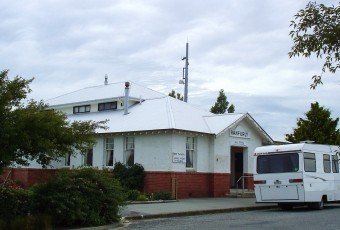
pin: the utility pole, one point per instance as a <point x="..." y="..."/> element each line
<point x="185" y="73"/>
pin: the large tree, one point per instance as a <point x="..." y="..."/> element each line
<point x="318" y="126"/>
<point x="222" y="104"/>
<point x="176" y="95"/>
<point x="31" y="131"/>
<point x="316" y="29"/>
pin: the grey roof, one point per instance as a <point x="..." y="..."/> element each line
<point x="156" y="111"/>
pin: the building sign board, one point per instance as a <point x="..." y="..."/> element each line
<point x="178" y="158"/>
<point x="239" y="133"/>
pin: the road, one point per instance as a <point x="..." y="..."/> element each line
<point x="299" y="218"/>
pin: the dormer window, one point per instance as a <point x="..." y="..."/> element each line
<point x="107" y="106"/>
<point x="81" y="109"/>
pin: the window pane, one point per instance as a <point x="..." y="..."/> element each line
<point x="89" y="157"/>
<point x="310" y="163"/>
<point x="189" y="159"/>
<point x="335" y="164"/>
<point x="326" y="163"/>
<point x="109" y="148"/>
<point x="109" y="158"/>
<point x="130" y="157"/>
<point x="68" y="159"/>
<point x="278" y="163"/>
<point x="129" y="151"/>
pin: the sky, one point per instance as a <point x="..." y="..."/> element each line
<point x="240" y="46"/>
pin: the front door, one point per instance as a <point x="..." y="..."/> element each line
<point x="236" y="166"/>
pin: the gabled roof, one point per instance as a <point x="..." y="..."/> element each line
<point x="155" y="111"/>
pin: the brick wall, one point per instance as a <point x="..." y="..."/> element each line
<point x="189" y="184"/>
<point x="249" y="181"/>
<point x="27" y="177"/>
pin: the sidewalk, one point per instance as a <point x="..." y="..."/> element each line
<point x="192" y="206"/>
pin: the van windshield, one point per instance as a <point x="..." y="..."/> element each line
<point x="278" y="163"/>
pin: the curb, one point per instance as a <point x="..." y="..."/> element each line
<point x="199" y="212"/>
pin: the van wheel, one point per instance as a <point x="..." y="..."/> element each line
<point x="285" y="207"/>
<point x="317" y="205"/>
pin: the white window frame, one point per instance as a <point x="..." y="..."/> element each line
<point x="190" y="150"/>
<point x="109" y="152"/>
<point x="129" y="151"/>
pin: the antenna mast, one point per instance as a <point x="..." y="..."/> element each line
<point x="185" y="73"/>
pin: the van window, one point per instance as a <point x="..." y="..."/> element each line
<point x="310" y="162"/>
<point x="326" y="163"/>
<point x="335" y="164"/>
<point x="278" y="163"/>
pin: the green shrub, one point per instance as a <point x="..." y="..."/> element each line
<point x="83" y="197"/>
<point x="162" y="195"/>
<point x="132" y="194"/>
<point x="131" y="177"/>
<point x="14" y="202"/>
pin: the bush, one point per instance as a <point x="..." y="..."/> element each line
<point x="14" y="202"/>
<point x="162" y="195"/>
<point x="84" y="197"/>
<point x="132" y="195"/>
<point x="131" y="177"/>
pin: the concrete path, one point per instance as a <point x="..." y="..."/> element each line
<point x="191" y="206"/>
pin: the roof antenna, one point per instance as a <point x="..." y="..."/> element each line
<point x="106" y="80"/>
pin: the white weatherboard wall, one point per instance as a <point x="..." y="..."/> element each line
<point x="154" y="151"/>
<point x="225" y="141"/>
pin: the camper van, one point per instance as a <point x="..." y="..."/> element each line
<point x="297" y="174"/>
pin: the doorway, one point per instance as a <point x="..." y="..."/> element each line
<point x="236" y="166"/>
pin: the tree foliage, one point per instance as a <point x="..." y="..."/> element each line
<point x="222" y="104"/>
<point x="318" y="126"/>
<point x="316" y="29"/>
<point x="176" y="95"/>
<point x="31" y="131"/>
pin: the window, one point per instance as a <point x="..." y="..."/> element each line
<point x="326" y="163"/>
<point x="335" y="164"/>
<point x="278" y="163"/>
<point x="109" y="151"/>
<point x="68" y="159"/>
<point x="107" y="106"/>
<point x="190" y="152"/>
<point x="310" y="163"/>
<point x="129" y="151"/>
<point x="81" y="109"/>
<point x="88" y="158"/>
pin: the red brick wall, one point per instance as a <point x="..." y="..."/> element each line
<point x="249" y="181"/>
<point x="27" y="177"/>
<point x="189" y="184"/>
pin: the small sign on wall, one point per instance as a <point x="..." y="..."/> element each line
<point x="178" y="158"/>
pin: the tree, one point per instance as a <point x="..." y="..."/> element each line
<point x="318" y="126"/>
<point x="221" y="105"/>
<point x="316" y="29"/>
<point x="176" y="95"/>
<point x="34" y="132"/>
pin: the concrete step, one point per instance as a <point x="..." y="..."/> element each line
<point x="239" y="193"/>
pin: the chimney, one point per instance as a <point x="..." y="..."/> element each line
<point x="106" y="80"/>
<point x="126" y="98"/>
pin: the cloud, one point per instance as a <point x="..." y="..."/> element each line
<point x="240" y="46"/>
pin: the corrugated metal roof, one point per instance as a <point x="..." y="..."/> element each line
<point x="156" y="111"/>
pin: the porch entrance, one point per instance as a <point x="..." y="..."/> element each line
<point x="236" y="165"/>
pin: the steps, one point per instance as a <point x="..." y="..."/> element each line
<point x="234" y="193"/>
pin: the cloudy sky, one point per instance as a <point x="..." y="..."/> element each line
<point x="240" y="46"/>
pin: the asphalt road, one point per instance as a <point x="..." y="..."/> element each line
<point x="299" y="218"/>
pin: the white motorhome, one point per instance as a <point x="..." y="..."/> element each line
<point x="297" y="174"/>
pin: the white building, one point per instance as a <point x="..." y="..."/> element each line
<point x="181" y="147"/>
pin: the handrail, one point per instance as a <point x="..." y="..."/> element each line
<point x="241" y="178"/>
<point x="9" y="173"/>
